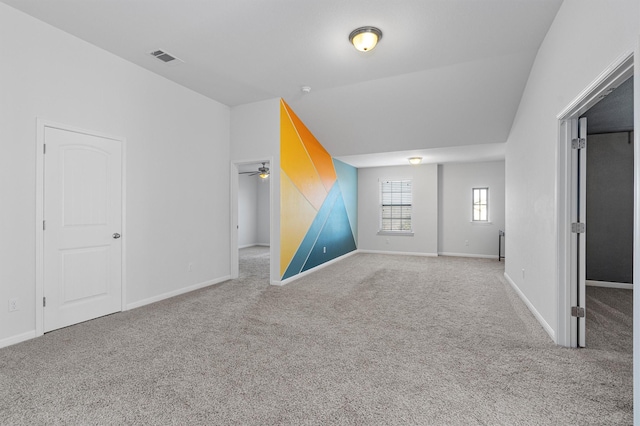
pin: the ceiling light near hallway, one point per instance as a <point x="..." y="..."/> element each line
<point x="365" y="38"/>
<point x="415" y="160"/>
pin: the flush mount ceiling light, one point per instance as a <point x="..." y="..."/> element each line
<point x="365" y="38"/>
<point x="415" y="160"/>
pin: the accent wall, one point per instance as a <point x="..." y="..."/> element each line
<point x="318" y="200"/>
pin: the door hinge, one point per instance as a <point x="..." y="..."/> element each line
<point x="44" y="302"/>
<point x="44" y="148"/>
<point x="578" y="143"/>
<point x="578" y="228"/>
<point x="577" y="311"/>
<point x="44" y="226"/>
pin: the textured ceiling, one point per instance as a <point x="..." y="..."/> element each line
<point x="446" y="73"/>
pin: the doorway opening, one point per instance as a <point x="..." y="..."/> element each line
<point x="251" y="219"/>
<point x="609" y="212"/>
<point x="573" y="172"/>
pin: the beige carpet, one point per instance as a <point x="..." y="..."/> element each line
<point x="370" y="340"/>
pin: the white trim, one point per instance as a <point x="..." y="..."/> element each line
<point x="532" y="308"/>
<point x="481" y="256"/>
<point x="18" y="339"/>
<point x="39" y="311"/>
<point x="396" y="233"/>
<point x="314" y="269"/>
<point x="177" y="292"/>
<point x="636" y="235"/>
<point x="400" y="253"/>
<point x="123" y="221"/>
<point x="615" y="74"/>
<point x="609" y="284"/>
<point x="563" y="236"/>
<point x="41" y="124"/>
<point x="234" y="185"/>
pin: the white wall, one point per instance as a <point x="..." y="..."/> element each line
<point x="247" y="210"/>
<point x="585" y="38"/>
<point x="255" y="136"/>
<point x="424" y="215"/>
<point x="458" y="235"/>
<point x="177" y="163"/>
<point x="264" y="218"/>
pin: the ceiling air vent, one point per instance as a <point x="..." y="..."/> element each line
<point x="164" y="56"/>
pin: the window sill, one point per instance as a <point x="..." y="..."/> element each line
<point x="481" y="223"/>
<point x="398" y="233"/>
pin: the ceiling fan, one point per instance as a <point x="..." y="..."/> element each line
<point x="263" y="172"/>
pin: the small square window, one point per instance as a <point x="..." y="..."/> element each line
<point x="480" y="205"/>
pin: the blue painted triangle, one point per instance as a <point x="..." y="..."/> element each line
<point x="335" y="238"/>
<point x="299" y="259"/>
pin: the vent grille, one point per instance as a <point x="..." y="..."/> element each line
<point x="164" y="56"/>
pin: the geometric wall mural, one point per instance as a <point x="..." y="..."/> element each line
<point x="318" y="200"/>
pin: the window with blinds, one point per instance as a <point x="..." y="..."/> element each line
<point x="396" y="200"/>
<point x="480" y="207"/>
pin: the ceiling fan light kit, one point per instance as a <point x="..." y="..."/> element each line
<point x="262" y="172"/>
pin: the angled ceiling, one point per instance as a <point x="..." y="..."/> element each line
<point x="447" y="72"/>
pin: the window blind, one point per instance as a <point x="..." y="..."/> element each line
<point x="396" y="202"/>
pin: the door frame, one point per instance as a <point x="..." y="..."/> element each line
<point x="234" y="180"/>
<point x="41" y="125"/>
<point x="614" y="75"/>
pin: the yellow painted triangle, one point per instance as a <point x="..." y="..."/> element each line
<point x="296" y="216"/>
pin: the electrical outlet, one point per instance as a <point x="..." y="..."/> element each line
<point x="13" y="305"/>
<point x="190" y="267"/>
<point x="466" y="242"/>
<point x="324" y="249"/>
<point x="523" y="273"/>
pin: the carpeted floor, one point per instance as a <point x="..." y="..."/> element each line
<point x="373" y="339"/>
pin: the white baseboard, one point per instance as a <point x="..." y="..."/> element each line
<point x="401" y="253"/>
<point x="532" y="308"/>
<point x="481" y="256"/>
<point x="17" y="339"/>
<point x="176" y="292"/>
<point x="608" y="284"/>
<point x="314" y="269"/>
<point x="253" y="245"/>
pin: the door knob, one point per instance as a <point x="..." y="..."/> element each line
<point x="116" y="236"/>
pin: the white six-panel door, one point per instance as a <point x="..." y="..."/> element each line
<point x="83" y="222"/>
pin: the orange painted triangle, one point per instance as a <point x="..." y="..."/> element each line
<point x="321" y="159"/>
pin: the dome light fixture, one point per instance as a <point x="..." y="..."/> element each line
<point x="365" y="39"/>
<point x="415" y="160"/>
